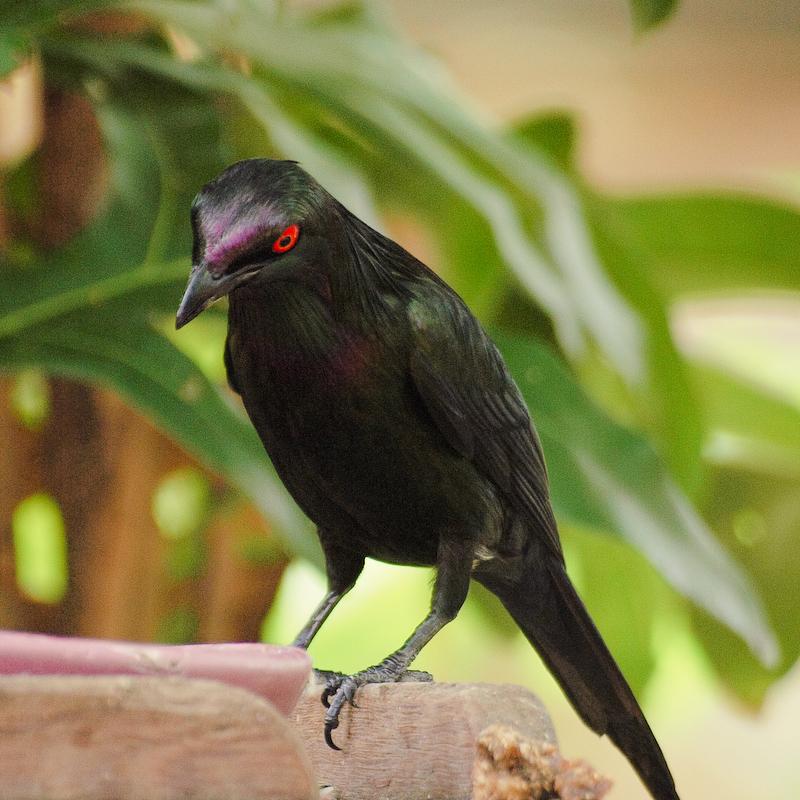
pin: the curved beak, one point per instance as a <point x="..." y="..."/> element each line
<point x="202" y="290"/>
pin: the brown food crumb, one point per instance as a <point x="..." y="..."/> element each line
<point x="509" y="766"/>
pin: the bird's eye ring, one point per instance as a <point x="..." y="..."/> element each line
<point x="287" y="240"/>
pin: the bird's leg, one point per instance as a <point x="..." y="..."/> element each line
<point x="449" y="592"/>
<point x="343" y="569"/>
<point x="320" y="614"/>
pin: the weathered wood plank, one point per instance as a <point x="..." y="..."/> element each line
<point x="414" y="741"/>
<point x="128" y="738"/>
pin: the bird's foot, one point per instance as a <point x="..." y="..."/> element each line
<point x="340" y="689"/>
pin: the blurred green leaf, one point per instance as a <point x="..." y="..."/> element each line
<point x="750" y="428"/>
<point x="14" y="47"/>
<point x="553" y="134"/>
<point x="649" y="13"/>
<point x="663" y="248"/>
<point x="260" y="548"/>
<point x="181" y="503"/>
<point x="30" y="398"/>
<point x="40" y="549"/>
<point x="44" y="13"/>
<point x="623" y="593"/>
<point x="186" y="559"/>
<point x="467" y="256"/>
<point x="661" y="401"/>
<point x="179" y="626"/>
<point x="604" y="476"/>
<point x="758" y="517"/>
<point x="21" y="21"/>
<point x="694" y="244"/>
<point x="666" y="406"/>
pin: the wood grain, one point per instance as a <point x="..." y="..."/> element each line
<point x="414" y="741"/>
<point x="64" y="738"/>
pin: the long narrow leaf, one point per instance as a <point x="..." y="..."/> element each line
<point x="604" y="476"/>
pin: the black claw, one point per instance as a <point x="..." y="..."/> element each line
<point x="340" y="689"/>
<point x="324" y="698"/>
<point x="330" y="727"/>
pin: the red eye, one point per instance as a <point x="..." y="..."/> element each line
<point x="287" y="240"/>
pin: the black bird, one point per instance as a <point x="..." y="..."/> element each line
<point x="394" y="423"/>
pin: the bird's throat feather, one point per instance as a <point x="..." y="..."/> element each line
<point x="291" y="332"/>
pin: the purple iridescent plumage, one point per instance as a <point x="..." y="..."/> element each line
<point x="231" y="235"/>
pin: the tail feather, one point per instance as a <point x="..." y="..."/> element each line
<point x="554" y="620"/>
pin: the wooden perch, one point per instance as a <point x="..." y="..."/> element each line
<point x="128" y="738"/>
<point x="414" y="741"/>
<point x="175" y="738"/>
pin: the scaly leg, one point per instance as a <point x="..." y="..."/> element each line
<point x="449" y="593"/>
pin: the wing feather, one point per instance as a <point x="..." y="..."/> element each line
<point x="472" y="399"/>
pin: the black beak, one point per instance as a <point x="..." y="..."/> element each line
<point x="202" y="290"/>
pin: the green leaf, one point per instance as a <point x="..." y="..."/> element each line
<point x="553" y="134"/>
<point x="664" y="248"/>
<point x="20" y="22"/>
<point x="701" y="243"/>
<point x="750" y="428"/>
<point x="758" y="517"/>
<point x="604" y="476"/>
<point x="45" y="13"/>
<point x="624" y="595"/>
<point x="661" y="401"/>
<point x="666" y="405"/>
<point x="649" y="13"/>
<point x="745" y="373"/>
<point x="14" y="48"/>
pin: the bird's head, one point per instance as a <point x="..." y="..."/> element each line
<point x="256" y="218"/>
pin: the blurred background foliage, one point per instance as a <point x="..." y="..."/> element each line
<point x="653" y="337"/>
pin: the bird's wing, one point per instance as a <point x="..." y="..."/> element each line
<point x="466" y="388"/>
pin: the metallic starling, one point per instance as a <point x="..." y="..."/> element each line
<point x="394" y="423"/>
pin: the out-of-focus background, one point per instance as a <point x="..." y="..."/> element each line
<point x="614" y="189"/>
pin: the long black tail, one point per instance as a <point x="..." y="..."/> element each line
<point x="554" y="620"/>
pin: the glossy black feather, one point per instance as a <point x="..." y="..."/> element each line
<point x="469" y="393"/>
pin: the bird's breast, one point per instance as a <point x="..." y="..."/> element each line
<point x="305" y="376"/>
<point x="337" y="412"/>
